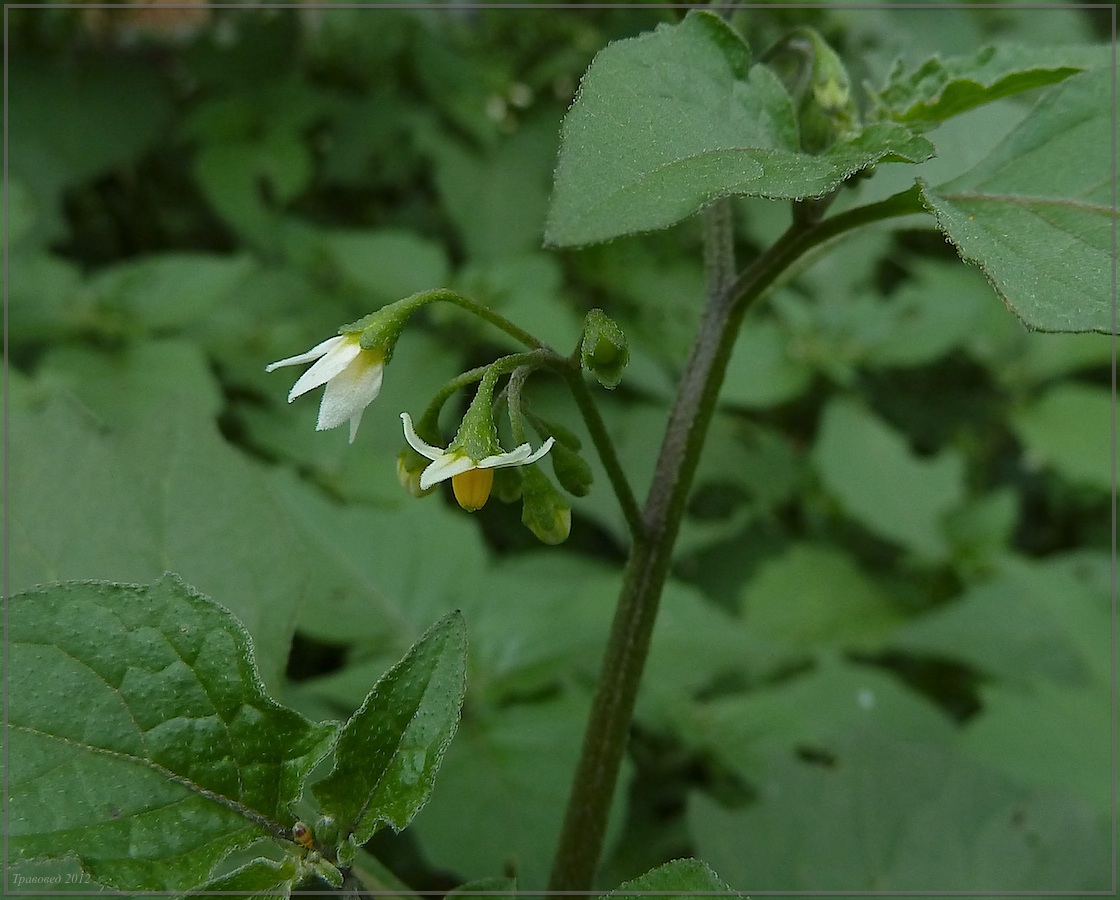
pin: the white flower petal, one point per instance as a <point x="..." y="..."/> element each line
<point x="513" y="458"/>
<point x="334" y="361"/>
<point x="350" y="391"/>
<point x="447" y="466"/>
<point x="541" y="451"/>
<point x="355" y="421"/>
<point x="312" y="354"/>
<point x="416" y="442"/>
<point x="521" y="456"/>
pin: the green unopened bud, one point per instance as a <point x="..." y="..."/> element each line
<point x="410" y="466"/>
<point x="544" y="511"/>
<point x="547" y="428"/>
<point x="507" y="484"/>
<point x="572" y="470"/>
<point x="326" y="830"/>
<point x="604" y="350"/>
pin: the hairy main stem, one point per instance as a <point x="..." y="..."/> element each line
<point x="585" y="821"/>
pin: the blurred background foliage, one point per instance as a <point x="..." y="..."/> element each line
<point x="883" y="660"/>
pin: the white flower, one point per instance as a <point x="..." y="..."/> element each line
<point x="352" y="376"/>
<point x="471" y="478"/>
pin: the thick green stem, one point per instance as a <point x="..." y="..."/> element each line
<point x="585" y="821"/>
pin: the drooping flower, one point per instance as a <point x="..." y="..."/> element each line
<point x="352" y="376"/>
<point x="470" y="461"/>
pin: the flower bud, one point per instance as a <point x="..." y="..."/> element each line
<point x="572" y="470"/>
<point x="410" y="466"/>
<point x="604" y="350"/>
<point x="507" y="484"/>
<point x="326" y="830"/>
<point x="543" y="510"/>
<point x="547" y="428"/>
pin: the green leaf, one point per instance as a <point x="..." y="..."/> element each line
<point x="927" y="317"/>
<point x="392" y="747"/>
<point x="879" y="482"/>
<point x="132" y="384"/>
<point x="816" y="596"/>
<point x="141" y="740"/>
<point x="762" y="372"/>
<point x="676" y="879"/>
<point x="896" y="815"/>
<point x="939" y="89"/>
<point x="1042" y="611"/>
<point x="497" y="199"/>
<point x="386" y="264"/>
<point x="163" y="493"/>
<point x="260" y="878"/>
<point x="171" y="290"/>
<point x="749" y="731"/>
<point x="503" y="787"/>
<point x="485" y="887"/>
<point x="669" y="121"/>
<point x="1036" y="214"/>
<point x="1069" y="429"/>
<point x="1026" y="735"/>
<point x="68" y="122"/>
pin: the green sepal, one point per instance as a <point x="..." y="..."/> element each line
<point x="478" y="435"/>
<point x="380" y="330"/>
<point x="604" y="350"/>
<point x="544" y="511"/>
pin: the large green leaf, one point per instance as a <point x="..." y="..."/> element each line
<point x="140" y="738"/>
<point x="69" y="122"/>
<point x="1037" y="213"/>
<point x="384" y="264"/>
<point x="1069" y="429"/>
<point x="165" y="492"/>
<point x="170" y="290"/>
<point x="677" y="879"/>
<point x="1026" y="735"/>
<point x="880" y="482"/>
<point x="392" y="747"/>
<point x="749" y="731"/>
<point x="129" y="385"/>
<point x="895" y="815"/>
<point x="262" y="879"/>
<point x="816" y="596"/>
<point x="939" y="89"/>
<point x="666" y="122"/>
<point x="1046" y="612"/>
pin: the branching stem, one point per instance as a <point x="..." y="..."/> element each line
<point x="581" y="838"/>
